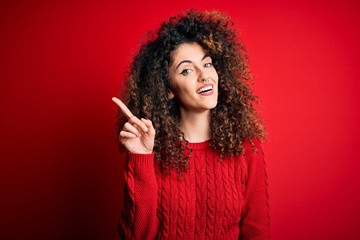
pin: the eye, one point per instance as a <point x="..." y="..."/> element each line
<point x="186" y="72"/>
<point x="207" y="65"/>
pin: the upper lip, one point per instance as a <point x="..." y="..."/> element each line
<point x="204" y="86"/>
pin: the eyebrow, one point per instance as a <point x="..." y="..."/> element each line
<point x="188" y="61"/>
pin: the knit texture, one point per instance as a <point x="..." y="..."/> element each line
<point x="214" y="199"/>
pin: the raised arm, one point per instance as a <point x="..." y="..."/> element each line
<point x="138" y="219"/>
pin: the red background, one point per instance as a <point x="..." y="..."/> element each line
<point x="62" y="62"/>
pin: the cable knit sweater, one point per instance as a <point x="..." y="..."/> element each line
<point x="214" y="199"/>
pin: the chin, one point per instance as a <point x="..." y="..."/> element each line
<point x="212" y="105"/>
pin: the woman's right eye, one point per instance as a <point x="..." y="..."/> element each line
<point x="186" y="72"/>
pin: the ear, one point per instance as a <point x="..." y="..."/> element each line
<point x="171" y="95"/>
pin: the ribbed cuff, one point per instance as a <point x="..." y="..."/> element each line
<point x="141" y="159"/>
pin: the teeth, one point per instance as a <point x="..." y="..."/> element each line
<point x="205" y="89"/>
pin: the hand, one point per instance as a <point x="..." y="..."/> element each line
<point x="137" y="135"/>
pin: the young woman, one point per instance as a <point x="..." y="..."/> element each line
<point x="194" y="164"/>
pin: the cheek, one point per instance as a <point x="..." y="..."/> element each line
<point x="178" y="89"/>
<point x="185" y="92"/>
<point x="215" y="74"/>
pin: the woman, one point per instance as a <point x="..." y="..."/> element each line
<point x="194" y="165"/>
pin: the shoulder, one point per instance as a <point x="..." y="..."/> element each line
<point x="253" y="155"/>
<point x="252" y="146"/>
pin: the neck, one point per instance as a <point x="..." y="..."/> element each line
<point x="195" y="126"/>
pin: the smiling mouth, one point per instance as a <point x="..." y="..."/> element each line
<point x="205" y="89"/>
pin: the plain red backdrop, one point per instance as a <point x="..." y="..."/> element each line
<point x="61" y="62"/>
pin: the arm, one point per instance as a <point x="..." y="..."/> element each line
<point x="255" y="223"/>
<point x="138" y="219"/>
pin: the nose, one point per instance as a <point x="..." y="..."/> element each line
<point x="203" y="76"/>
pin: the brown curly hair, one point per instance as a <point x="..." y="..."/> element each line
<point x="233" y="120"/>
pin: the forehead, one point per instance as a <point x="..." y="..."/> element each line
<point x="187" y="51"/>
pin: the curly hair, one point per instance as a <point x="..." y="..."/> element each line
<point x="233" y="120"/>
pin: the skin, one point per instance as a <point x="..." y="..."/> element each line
<point x="190" y="71"/>
<point x="137" y="134"/>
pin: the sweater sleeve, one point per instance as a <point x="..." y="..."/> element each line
<point x="138" y="218"/>
<point x="255" y="223"/>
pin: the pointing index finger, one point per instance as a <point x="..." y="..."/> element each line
<point x="124" y="109"/>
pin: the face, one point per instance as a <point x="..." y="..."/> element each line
<point x="194" y="78"/>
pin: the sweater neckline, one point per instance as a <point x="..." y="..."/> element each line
<point x="199" y="145"/>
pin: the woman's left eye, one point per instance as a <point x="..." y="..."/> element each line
<point x="208" y="65"/>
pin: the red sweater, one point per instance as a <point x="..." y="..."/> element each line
<point x="213" y="199"/>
